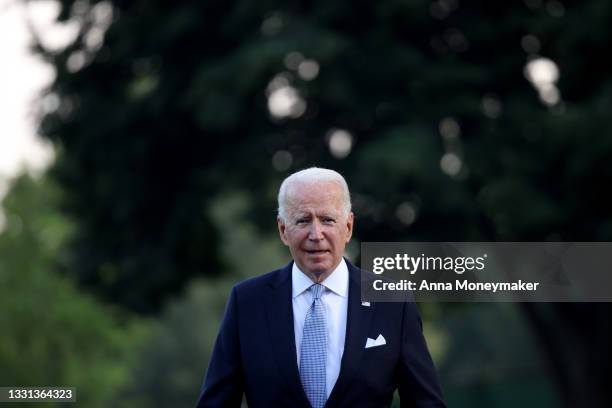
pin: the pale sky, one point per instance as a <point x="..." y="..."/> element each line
<point x="22" y="77"/>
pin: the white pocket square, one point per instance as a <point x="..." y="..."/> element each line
<point x="366" y="304"/>
<point x="380" y="341"/>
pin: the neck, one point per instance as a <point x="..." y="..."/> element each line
<point x="318" y="278"/>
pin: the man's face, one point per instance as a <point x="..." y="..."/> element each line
<point x="316" y="230"/>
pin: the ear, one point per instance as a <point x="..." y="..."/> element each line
<point x="349" y="226"/>
<point x="282" y="231"/>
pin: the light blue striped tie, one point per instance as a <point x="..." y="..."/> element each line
<point x="313" y="352"/>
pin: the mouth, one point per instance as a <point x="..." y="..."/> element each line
<point x="316" y="251"/>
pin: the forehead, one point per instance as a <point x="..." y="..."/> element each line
<point x="322" y="195"/>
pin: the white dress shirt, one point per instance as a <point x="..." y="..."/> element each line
<point x="335" y="299"/>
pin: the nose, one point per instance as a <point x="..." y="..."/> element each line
<point x="316" y="232"/>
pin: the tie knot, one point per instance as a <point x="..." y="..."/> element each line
<point x="316" y="290"/>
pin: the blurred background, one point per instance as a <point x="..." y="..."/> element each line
<point x="142" y="144"/>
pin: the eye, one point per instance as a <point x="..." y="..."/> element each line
<point x="301" y="221"/>
<point x="328" y="220"/>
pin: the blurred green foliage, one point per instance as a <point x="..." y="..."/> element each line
<point x="170" y="108"/>
<point x="168" y="162"/>
<point x="169" y="369"/>
<point x="51" y="333"/>
<point x="55" y="335"/>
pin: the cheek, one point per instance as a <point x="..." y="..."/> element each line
<point x="294" y="236"/>
<point x="347" y="235"/>
<point x="343" y="234"/>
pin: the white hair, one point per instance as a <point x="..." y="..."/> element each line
<point x="310" y="176"/>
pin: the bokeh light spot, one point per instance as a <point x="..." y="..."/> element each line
<point x="282" y="160"/>
<point x="406" y="213"/>
<point x="308" y="69"/>
<point x="450" y="164"/>
<point x="340" y="143"/>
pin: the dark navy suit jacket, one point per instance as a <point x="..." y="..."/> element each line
<point x="255" y="352"/>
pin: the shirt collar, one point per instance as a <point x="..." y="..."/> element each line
<point x="337" y="281"/>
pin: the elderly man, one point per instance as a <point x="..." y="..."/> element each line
<point x="300" y="337"/>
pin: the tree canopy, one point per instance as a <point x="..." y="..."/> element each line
<point x="451" y="120"/>
<point x="175" y="103"/>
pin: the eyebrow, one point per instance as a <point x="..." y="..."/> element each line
<point x="308" y="215"/>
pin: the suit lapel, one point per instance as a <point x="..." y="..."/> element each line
<point x="279" y="310"/>
<point x="358" y="323"/>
